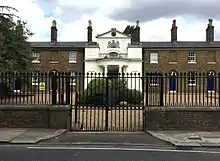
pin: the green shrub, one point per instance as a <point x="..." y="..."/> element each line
<point x="101" y="91"/>
<point x="134" y="96"/>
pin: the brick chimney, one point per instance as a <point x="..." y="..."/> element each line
<point x="53" y="32"/>
<point x="210" y="32"/>
<point x="138" y="31"/>
<point x="89" y="32"/>
<point x="174" y="32"/>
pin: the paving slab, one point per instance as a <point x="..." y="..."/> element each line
<point x="190" y="139"/>
<point x="33" y="136"/>
<point x="8" y="134"/>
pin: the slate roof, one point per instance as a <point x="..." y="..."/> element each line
<point x="179" y="44"/>
<point x="74" y="44"/>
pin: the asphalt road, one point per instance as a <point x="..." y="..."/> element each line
<point x="101" y="154"/>
<point x="106" y="138"/>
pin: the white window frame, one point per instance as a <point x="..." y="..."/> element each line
<point x="154" y="58"/>
<point x="72" y="57"/>
<point x="35" y="78"/>
<point x="72" y="78"/>
<point x="36" y="56"/>
<point x="192" y="57"/>
<point x="154" y="80"/>
<point x="192" y="79"/>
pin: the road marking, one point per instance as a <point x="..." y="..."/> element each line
<point x="121" y="149"/>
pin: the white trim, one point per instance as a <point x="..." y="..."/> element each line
<point x="35" y="61"/>
<point x="173" y="62"/>
<point x="72" y="61"/>
<point x="190" y="84"/>
<point x="172" y="91"/>
<point x="16" y="91"/>
<point x="154" y="84"/>
<point x="73" y="84"/>
<point x="153" y="62"/>
<point x="34" y="84"/>
<point x="191" y="62"/>
<point x="54" y="62"/>
<point x="211" y="62"/>
<point x="211" y="91"/>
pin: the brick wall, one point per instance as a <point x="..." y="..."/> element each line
<point x="34" y="116"/>
<point x="183" y="118"/>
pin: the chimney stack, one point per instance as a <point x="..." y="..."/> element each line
<point x="210" y="32"/>
<point x="174" y="32"/>
<point x="53" y="32"/>
<point x="89" y="32"/>
<point x="138" y="31"/>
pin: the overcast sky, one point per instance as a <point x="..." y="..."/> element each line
<point x="155" y="17"/>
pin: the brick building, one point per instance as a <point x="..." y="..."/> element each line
<point x="117" y="52"/>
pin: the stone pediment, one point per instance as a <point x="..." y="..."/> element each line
<point x="113" y="33"/>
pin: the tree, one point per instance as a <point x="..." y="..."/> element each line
<point x="15" y="51"/>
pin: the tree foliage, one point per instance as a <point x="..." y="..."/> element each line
<point x="15" y="51"/>
<point x="102" y="91"/>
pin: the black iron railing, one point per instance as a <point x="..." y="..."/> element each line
<point x="98" y="89"/>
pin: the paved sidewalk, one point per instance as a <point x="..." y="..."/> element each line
<point x="27" y="136"/>
<point x="107" y="138"/>
<point x="189" y="139"/>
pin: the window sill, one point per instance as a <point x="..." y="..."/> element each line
<point x="153" y="62"/>
<point x="172" y="62"/>
<point x="72" y="62"/>
<point x="211" y="62"/>
<point x="192" y="85"/>
<point x="191" y="62"/>
<point x="35" y="62"/>
<point x="54" y="62"/>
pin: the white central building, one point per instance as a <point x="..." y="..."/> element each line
<point x="114" y="54"/>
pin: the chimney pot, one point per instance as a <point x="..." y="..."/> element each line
<point x="210" y="22"/>
<point x="210" y="31"/>
<point x="174" y="23"/>
<point x="54" y="31"/>
<point x="174" y="31"/>
<point x="89" y="31"/>
<point x="90" y="23"/>
<point x="137" y="22"/>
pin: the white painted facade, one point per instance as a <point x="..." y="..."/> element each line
<point x="114" y="53"/>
